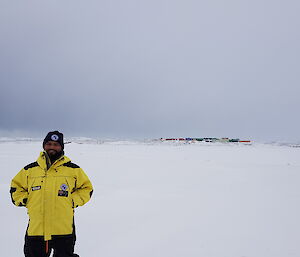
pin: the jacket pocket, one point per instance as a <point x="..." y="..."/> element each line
<point x="63" y="197"/>
<point x="34" y="201"/>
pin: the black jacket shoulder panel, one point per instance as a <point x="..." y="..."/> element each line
<point x="31" y="165"/>
<point x="71" y="165"/>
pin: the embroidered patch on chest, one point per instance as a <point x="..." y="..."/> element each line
<point x="63" y="193"/>
<point x="63" y="187"/>
<point x="36" y="188"/>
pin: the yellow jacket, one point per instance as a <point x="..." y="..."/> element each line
<point x="50" y="195"/>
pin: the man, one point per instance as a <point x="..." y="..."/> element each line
<point x="51" y="188"/>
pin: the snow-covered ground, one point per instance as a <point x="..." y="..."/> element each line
<point x="172" y="200"/>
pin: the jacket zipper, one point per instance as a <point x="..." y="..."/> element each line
<point x="48" y="164"/>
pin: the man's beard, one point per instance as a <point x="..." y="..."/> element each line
<point x="54" y="155"/>
<point x="52" y="152"/>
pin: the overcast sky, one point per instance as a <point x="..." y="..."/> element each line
<point x="151" y="68"/>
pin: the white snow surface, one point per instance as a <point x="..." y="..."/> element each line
<point x="171" y="200"/>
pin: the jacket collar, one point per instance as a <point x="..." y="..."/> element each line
<point x="44" y="163"/>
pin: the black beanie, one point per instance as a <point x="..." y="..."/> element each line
<point x="54" y="136"/>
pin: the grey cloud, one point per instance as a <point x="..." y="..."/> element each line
<point x="151" y="68"/>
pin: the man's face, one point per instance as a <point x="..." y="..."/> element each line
<point x="52" y="147"/>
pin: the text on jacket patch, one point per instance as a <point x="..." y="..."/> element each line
<point x="63" y="193"/>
